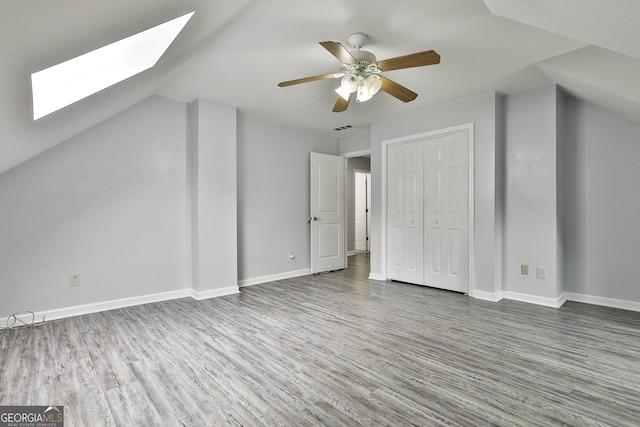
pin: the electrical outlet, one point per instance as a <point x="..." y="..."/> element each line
<point x="292" y="255"/>
<point x="540" y="273"/>
<point x="524" y="269"/>
<point x="74" y="280"/>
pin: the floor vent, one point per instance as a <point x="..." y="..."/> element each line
<point x="345" y="127"/>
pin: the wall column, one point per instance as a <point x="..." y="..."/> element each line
<point x="212" y="173"/>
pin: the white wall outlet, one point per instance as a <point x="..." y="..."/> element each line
<point x="524" y="269"/>
<point x="540" y="273"/>
<point x="292" y="255"/>
<point x="74" y="279"/>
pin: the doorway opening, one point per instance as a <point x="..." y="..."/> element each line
<point x="362" y="210"/>
<point x="357" y="163"/>
<point x="358" y="196"/>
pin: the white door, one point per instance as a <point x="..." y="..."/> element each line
<point x="446" y="254"/>
<point x="361" y="211"/>
<point x="327" y="213"/>
<point x="405" y="212"/>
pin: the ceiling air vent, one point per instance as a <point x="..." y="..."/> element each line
<point x="341" y="128"/>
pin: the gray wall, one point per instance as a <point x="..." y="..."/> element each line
<point x="109" y="204"/>
<point x="355" y="142"/>
<point x="112" y="203"/>
<point x="214" y="216"/>
<point x="602" y="207"/>
<point x="273" y="196"/>
<point x="530" y="227"/>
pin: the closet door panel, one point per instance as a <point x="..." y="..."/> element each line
<point x="457" y="189"/>
<point x="414" y="212"/>
<point x="433" y="218"/>
<point x="405" y="200"/>
<point x="395" y="212"/>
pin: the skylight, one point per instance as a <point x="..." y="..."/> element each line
<point x="70" y="81"/>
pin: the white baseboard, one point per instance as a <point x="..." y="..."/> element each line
<point x="377" y="276"/>
<point x="534" y="299"/>
<point x="214" y="293"/>
<point x="83" y="309"/>
<point x="351" y="253"/>
<point x="606" y="302"/>
<point x="274" y="277"/>
<point x="487" y="296"/>
<point x="80" y="310"/>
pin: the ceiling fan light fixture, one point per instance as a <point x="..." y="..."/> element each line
<point x="369" y="87"/>
<point x="372" y="84"/>
<point x="348" y="85"/>
<point x="363" y="94"/>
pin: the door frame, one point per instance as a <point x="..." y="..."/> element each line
<point x="469" y="127"/>
<point x="358" y="153"/>
<point x="368" y="206"/>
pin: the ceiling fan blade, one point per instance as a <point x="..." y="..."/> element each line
<point x="341" y="104"/>
<point x="339" y="51"/>
<point x="311" y="79"/>
<point x="420" y="59"/>
<point x="396" y="90"/>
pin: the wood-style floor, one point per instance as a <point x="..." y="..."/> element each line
<point x="332" y="349"/>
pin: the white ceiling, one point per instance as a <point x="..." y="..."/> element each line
<point x="236" y="52"/>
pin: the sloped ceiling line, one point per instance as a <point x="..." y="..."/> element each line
<point x="235" y="53"/>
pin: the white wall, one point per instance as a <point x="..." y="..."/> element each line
<point x="109" y="204"/>
<point x="602" y="207"/>
<point x="481" y="111"/>
<point x="530" y="222"/>
<point x="273" y="196"/>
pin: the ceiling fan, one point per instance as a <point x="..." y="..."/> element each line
<point x="361" y="73"/>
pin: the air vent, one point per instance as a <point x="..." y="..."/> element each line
<point x="345" y="127"/>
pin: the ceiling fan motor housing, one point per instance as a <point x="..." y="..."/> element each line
<point x="363" y="58"/>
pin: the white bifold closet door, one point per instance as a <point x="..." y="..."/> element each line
<point x="405" y="175"/>
<point x="446" y="255"/>
<point x="428" y="212"/>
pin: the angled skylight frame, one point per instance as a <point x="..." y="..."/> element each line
<point x="68" y="82"/>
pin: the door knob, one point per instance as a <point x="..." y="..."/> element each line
<point x="436" y="220"/>
<point x="315" y="218"/>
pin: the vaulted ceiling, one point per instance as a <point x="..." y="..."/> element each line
<point x="235" y="53"/>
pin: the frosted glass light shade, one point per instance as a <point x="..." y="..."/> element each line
<point x="369" y="87"/>
<point x="363" y="94"/>
<point x="372" y="84"/>
<point x="348" y="85"/>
